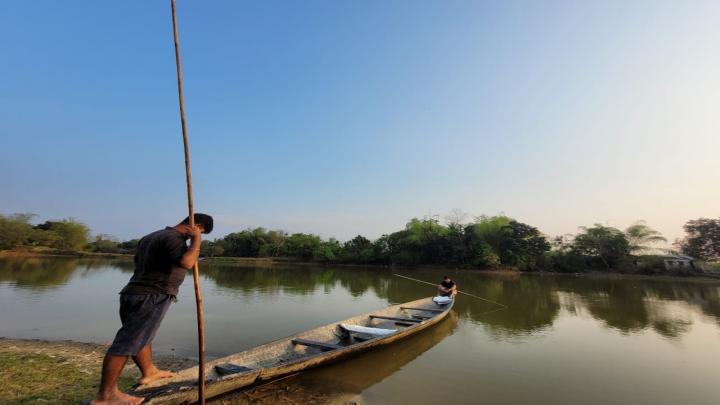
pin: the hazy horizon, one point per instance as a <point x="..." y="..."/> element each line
<point x="343" y="118"/>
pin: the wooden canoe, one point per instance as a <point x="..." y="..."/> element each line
<point x="308" y="349"/>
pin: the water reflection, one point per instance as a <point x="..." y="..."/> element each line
<point x="534" y="302"/>
<point x="269" y="280"/>
<point x="631" y="306"/>
<point x="44" y="273"/>
<point x="562" y="340"/>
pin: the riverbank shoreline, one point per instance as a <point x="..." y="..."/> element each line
<point x="66" y="371"/>
<point x="502" y="271"/>
<point x="294" y="262"/>
<point x="40" y="253"/>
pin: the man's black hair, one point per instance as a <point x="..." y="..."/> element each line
<point x="201" y="219"/>
<point x="444" y="277"/>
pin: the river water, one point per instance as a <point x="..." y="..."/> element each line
<point x="562" y="339"/>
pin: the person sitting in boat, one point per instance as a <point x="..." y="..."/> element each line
<point x="447" y="287"/>
<point x="161" y="261"/>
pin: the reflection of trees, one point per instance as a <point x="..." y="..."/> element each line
<point x="37" y="273"/>
<point x="531" y="300"/>
<point x="634" y="305"/>
<point x="272" y="280"/>
<point x="671" y="328"/>
<point x="302" y="280"/>
<point x="620" y="305"/>
<point x="532" y="303"/>
<point x="706" y="296"/>
<point x="40" y="273"/>
<point x="628" y="305"/>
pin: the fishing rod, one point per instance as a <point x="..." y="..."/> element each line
<point x="188" y="178"/>
<point x="461" y="292"/>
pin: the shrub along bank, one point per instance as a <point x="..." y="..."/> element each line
<point x="487" y="242"/>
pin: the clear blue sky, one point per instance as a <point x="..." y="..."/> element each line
<point x="347" y="117"/>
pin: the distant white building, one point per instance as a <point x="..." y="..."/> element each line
<point x="678" y="262"/>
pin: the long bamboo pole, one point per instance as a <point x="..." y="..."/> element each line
<point x="461" y="292"/>
<point x="188" y="178"/>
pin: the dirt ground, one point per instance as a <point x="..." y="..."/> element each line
<point x="87" y="359"/>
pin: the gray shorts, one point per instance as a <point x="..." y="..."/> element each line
<point x="141" y="315"/>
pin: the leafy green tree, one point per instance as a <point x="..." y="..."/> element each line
<point x="381" y="250"/>
<point x="564" y="261"/>
<point x="456" y="249"/>
<point x="129" y="246"/>
<point x="205" y="247"/>
<point x="39" y="237"/>
<point x="15" y="230"/>
<point x="641" y="237"/>
<point x="301" y="245"/>
<point x="247" y="243"/>
<point x="357" y="244"/>
<point x="72" y="233"/>
<point x="104" y="244"/>
<point x="274" y="243"/>
<point x="210" y="249"/>
<point x="489" y="229"/>
<point x="522" y="245"/>
<point x="483" y="240"/>
<point x="253" y="243"/>
<point x="702" y="240"/>
<point x="216" y="250"/>
<point x="483" y="255"/>
<point x="358" y="250"/>
<point x="422" y="241"/>
<point x="326" y="251"/>
<point x="606" y="243"/>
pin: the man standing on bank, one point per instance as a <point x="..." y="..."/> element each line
<point x="161" y="261"/>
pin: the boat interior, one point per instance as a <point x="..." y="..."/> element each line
<point x="343" y="334"/>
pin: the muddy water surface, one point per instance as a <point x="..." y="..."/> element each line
<point x="563" y="339"/>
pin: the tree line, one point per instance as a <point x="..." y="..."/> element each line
<point x="485" y="242"/>
<point x="66" y="234"/>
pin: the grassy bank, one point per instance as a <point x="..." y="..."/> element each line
<point x="287" y="261"/>
<point x="66" y="372"/>
<point x="51" y="252"/>
<point x="33" y="378"/>
<point x="35" y="371"/>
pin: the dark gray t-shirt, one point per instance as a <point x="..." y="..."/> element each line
<point x="157" y="264"/>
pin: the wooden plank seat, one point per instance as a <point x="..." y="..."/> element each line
<point x="394" y="318"/>
<point x="422" y="317"/>
<point x="424" y="309"/>
<point x="318" y="345"/>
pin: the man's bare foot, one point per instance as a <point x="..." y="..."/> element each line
<point x="117" y="398"/>
<point x="156" y="374"/>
